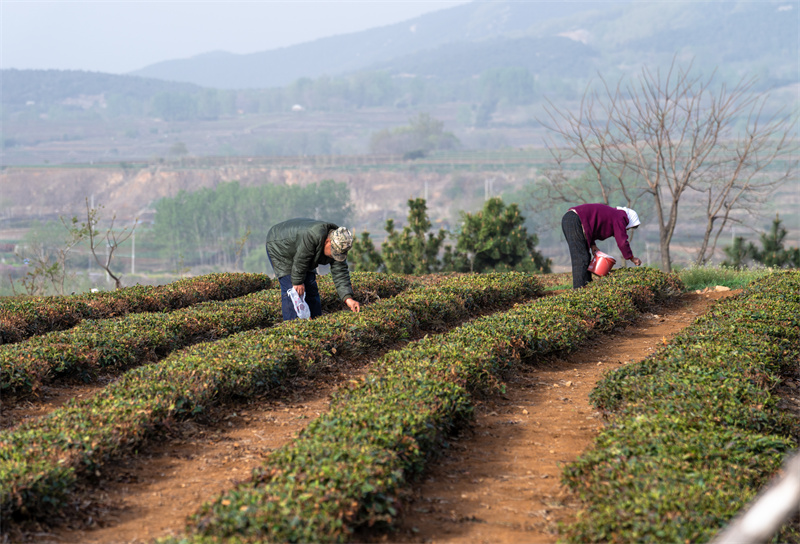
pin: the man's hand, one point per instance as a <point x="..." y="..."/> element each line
<point x="301" y="289"/>
<point x="637" y="261"/>
<point x="353" y="304"/>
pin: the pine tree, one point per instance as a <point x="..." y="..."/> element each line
<point x="414" y="250"/>
<point x="496" y="239"/>
<point x="772" y="252"/>
<point x="363" y="257"/>
<point x="739" y="253"/>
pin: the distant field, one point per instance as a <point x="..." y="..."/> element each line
<point x="40" y="141"/>
<point x="380" y="186"/>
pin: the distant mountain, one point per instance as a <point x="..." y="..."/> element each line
<point x="738" y="39"/>
<point x="478" y="54"/>
<point x="335" y="55"/>
<point x="553" y="55"/>
<point x="736" y="36"/>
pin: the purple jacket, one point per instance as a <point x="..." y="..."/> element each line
<point x="600" y="222"/>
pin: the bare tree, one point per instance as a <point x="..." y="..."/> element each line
<point x="112" y="240"/>
<point x="744" y="173"/>
<point x="240" y="244"/>
<point x="47" y="258"/>
<point x="661" y="138"/>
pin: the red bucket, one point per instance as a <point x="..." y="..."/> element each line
<point x="601" y="263"/>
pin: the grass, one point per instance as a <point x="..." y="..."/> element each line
<point x="700" y="277"/>
<point x="693" y="277"/>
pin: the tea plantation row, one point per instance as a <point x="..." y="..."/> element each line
<point x="348" y="466"/>
<point x="696" y="431"/>
<point x="117" y="344"/>
<point x="24" y="317"/>
<point x="41" y="460"/>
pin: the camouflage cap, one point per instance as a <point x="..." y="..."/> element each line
<point x="341" y="242"/>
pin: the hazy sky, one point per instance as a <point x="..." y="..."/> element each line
<point x="124" y="35"/>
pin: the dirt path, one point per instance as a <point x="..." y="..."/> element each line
<point x="499" y="482"/>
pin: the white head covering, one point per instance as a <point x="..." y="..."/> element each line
<point x="633" y="217"/>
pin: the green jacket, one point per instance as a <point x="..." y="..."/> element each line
<point x="297" y="246"/>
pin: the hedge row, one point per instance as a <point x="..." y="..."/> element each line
<point x="41" y="460"/>
<point x="695" y="430"/>
<point x="116" y="344"/>
<point x="23" y="317"/>
<point x="347" y="468"/>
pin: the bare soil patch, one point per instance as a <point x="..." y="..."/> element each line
<point x="498" y="482"/>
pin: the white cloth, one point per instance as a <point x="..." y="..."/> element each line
<point x="633" y="217"/>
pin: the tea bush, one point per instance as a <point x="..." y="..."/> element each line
<point x="24" y="317"/>
<point x="694" y="431"/>
<point x="117" y="344"/>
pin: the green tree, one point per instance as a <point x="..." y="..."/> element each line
<point x="415" y="249"/>
<point x="516" y="85"/>
<point x="423" y="133"/>
<point x="772" y="252"/>
<point x="174" y="106"/>
<point x="739" y="253"/>
<point x="484" y="112"/>
<point x="363" y="257"/>
<point x="178" y="149"/>
<point x="495" y="239"/>
<point x="209" y="226"/>
<point x="454" y="260"/>
<point x="208" y="104"/>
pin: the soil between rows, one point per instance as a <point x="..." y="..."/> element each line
<point x="498" y="482"/>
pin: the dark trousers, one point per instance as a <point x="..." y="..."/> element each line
<point x="313" y="298"/>
<point x="578" y="249"/>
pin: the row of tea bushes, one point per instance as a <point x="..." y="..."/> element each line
<point x="116" y="344"/>
<point x="347" y="468"/>
<point x="41" y="460"/>
<point x="112" y="345"/>
<point x="695" y="431"/>
<point x="23" y="317"/>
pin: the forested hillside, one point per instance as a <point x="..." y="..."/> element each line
<point x="222" y="226"/>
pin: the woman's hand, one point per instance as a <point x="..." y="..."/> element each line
<point x="594" y="249"/>
<point x="637" y="261"/>
<point x="353" y="304"/>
